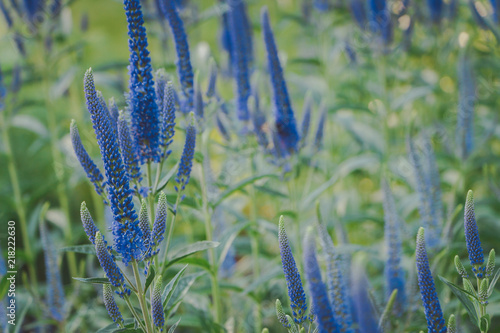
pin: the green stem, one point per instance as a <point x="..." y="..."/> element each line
<point x="11" y="166"/>
<point x="134" y="313"/>
<point x="208" y="231"/>
<point x="255" y="248"/>
<point x="141" y="297"/>
<point x="58" y="165"/>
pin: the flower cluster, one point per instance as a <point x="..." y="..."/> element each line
<point x="292" y="276"/>
<point x="320" y="302"/>
<point x="472" y="240"/>
<point x="184" y="68"/>
<point x="142" y="96"/>
<point x="284" y="118"/>
<point x="432" y="308"/>
<point x="126" y="231"/>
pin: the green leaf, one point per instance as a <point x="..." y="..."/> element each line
<point x="129" y="323"/>
<point x="484" y="323"/>
<point x="182" y="288"/>
<point x="29" y="123"/>
<point x="345" y="168"/>
<point x="85" y="249"/>
<point x="493" y="282"/>
<point x="463" y="296"/>
<point x="239" y="186"/>
<point x="191" y="249"/>
<point x="174" y="326"/>
<point x="4" y="286"/>
<point x="164" y="181"/>
<point x="150" y="278"/>
<point x="170" y="287"/>
<point x="96" y="280"/>
<point x="228" y="237"/>
<point x="387" y="311"/>
<point x="20" y="318"/>
<point x="276" y="271"/>
<point x="194" y="261"/>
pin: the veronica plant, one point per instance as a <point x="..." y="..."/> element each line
<point x="475" y="298"/>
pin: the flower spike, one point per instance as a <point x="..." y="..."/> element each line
<point x="292" y="276"/>
<point x="126" y="231"/>
<point x="432" y="308"/>
<point x="283" y="113"/>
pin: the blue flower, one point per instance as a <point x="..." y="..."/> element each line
<point x="338" y="289"/>
<point x="241" y="55"/>
<point x="435" y="10"/>
<point x="283" y="113"/>
<point x="306" y="119"/>
<point x="184" y="68"/>
<point x="127" y="149"/>
<point x="380" y="20"/>
<point x="92" y="171"/>
<point x="465" y="118"/>
<point x="88" y="223"/>
<point x="432" y="308"/>
<point x="6" y="14"/>
<point x="212" y="79"/>
<point x="394" y="274"/>
<point x="167" y="115"/>
<point x="495" y="4"/>
<point x="110" y="304"/>
<point x="142" y="96"/>
<point x="322" y="5"/>
<point x="107" y="263"/>
<point x="366" y="317"/>
<point x="292" y="276"/>
<point x="259" y="122"/>
<point x="318" y="138"/>
<point x="126" y="232"/>
<point x="472" y="240"/>
<point x="424" y="193"/>
<point x="157" y="305"/>
<point x="358" y="12"/>
<point x="319" y="295"/>
<point x="186" y="163"/>
<point x="55" y="292"/>
<point x="198" y="102"/>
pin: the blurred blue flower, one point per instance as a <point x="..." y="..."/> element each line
<point x="55" y="291"/>
<point x="186" y="163"/>
<point x="318" y="137"/>
<point x="394" y="274"/>
<point x="465" y="118"/>
<point x="322" y="309"/>
<point x="365" y="314"/>
<point x="435" y="10"/>
<point x="338" y="289"/>
<point x="283" y="113"/>
<point x="241" y="43"/>
<point x="184" y="68"/>
<point x="380" y="20"/>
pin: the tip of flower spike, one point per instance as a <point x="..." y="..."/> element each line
<point x="72" y="124"/>
<point x="470" y="199"/>
<point x="420" y="236"/>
